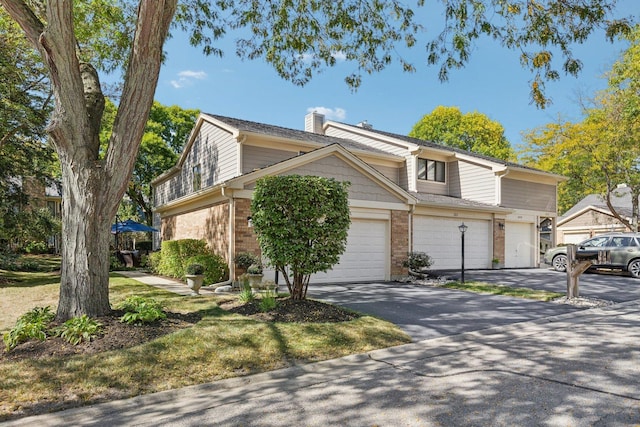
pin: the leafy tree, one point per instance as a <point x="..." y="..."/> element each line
<point x="78" y="39"/>
<point x="302" y="224"/>
<point x="24" y="151"/>
<point x="602" y="151"/>
<point x="473" y="132"/>
<point x="165" y="133"/>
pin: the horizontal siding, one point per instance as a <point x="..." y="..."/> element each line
<point x="433" y="187"/>
<point x="215" y="151"/>
<point x="391" y="173"/>
<point x="528" y="195"/>
<point x="471" y="181"/>
<point x="259" y="157"/>
<point x="591" y="218"/>
<point x="361" y="188"/>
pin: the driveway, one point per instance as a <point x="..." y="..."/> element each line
<point x="426" y="312"/>
<point x="607" y="286"/>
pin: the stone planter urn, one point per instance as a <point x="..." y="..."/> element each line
<point x="194" y="282"/>
<point x="194" y="273"/>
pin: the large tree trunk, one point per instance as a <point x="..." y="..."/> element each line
<point x="93" y="187"/>
<point x="84" y="287"/>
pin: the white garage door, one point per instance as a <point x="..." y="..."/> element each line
<point x="575" y="237"/>
<point x="519" y="245"/>
<point x="440" y="239"/>
<point x="365" y="257"/>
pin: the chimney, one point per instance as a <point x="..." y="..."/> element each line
<point x="313" y="122"/>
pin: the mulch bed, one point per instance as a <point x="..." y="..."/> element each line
<point x="288" y="310"/>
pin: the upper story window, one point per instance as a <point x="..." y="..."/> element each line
<point x="431" y="170"/>
<point x="197" y="177"/>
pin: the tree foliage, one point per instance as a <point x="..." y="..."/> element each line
<point x="165" y="134"/>
<point x="77" y="40"/>
<point x="602" y="151"/>
<point x="473" y="132"/>
<point x="302" y="224"/>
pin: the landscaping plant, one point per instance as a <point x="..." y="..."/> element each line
<point x="302" y="224"/>
<point x="141" y="310"/>
<point x="78" y="329"/>
<point x="31" y="325"/>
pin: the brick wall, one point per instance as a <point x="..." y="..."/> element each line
<point x="498" y="240"/>
<point x="246" y="240"/>
<point x="210" y="223"/>
<point x="399" y="243"/>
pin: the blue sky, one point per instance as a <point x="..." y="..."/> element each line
<point x="493" y="83"/>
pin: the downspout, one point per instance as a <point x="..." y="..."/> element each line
<point x="232" y="245"/>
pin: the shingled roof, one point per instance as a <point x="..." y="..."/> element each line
<point x="621" y="202"/>
<point x="300" y="135"/>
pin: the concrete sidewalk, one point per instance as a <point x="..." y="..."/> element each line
<point x="575" y="369"/>
<point x="167" y="284"/>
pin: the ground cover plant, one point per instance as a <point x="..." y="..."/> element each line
<point x="202" y="339"/>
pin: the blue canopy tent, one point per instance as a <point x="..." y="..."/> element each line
<point x="130" y="226"/>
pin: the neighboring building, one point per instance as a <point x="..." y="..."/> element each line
<point x="591" y="216"/>
<point x="405" y="195"/>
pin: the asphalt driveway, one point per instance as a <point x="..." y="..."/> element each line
<point x="613" y="287"/>
<point x="426" y="312"/>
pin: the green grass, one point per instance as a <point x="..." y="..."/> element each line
<point x="488" y="288"/>
<point x="221" y="345"/>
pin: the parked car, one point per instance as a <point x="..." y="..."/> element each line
<point x="624" y="251"/>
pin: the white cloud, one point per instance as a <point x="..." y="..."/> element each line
<point x="330" y="113"/>
<point x="339" y="56"/>
<point x="186" y="78"/>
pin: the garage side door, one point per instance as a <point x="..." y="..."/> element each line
<point x="365" y="257"/>
<point x="440" y="239"/>
<point x="519" y="245"/>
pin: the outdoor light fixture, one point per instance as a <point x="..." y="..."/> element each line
<point x="501" y="226"/>
<point x="249" y="222"/>
<point x="463" y="228"/>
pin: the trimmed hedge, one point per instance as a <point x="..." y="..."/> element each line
<point x="175" y="255"/>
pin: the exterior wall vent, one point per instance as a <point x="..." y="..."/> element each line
<point x="314" y="122"/>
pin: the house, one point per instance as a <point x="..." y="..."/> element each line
<point x="405" y="195"/>
<point x="591" y="216"/>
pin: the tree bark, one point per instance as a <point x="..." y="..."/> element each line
<point x="93" y="188"/>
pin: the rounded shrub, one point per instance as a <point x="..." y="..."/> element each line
<point x="215" y="267"/>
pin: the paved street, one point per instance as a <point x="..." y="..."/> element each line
<point x="578" y="369"/>
<point x="483" y="361"/>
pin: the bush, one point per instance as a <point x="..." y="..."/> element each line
<point x="194" y="269"/>
<point x="36" y="248"/>
<point x="79" y="329"/>
<point x="153" y="261"/>
<point x="9" y="262"/>
<point x="141" y="310"/>
<point x="215" y="268"/>
<point x="28" y="265"/>
<point x="417" y="262"/>
<point x="31" y="325"/>
<point x="245" y="259"/>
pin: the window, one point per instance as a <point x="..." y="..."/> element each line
<point x="431" y="170"/>
<point x="197" y="178"/>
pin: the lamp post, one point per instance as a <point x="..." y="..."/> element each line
<point x="463" y="228"/>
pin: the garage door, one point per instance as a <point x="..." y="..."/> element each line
<point x="365" y="257"/>
<point x="575" y="237"/>
<point x="519" y="245"/>
<point x="440" y="239"/>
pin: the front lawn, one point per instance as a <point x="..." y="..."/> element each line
<point x="220" y="345"/>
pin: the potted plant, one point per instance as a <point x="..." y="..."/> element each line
<point x="495" y="262"/>
<point x="195" y="277"/>
<point x="254" y="271"/>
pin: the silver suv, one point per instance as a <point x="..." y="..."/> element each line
<point x="624" y="251"/>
